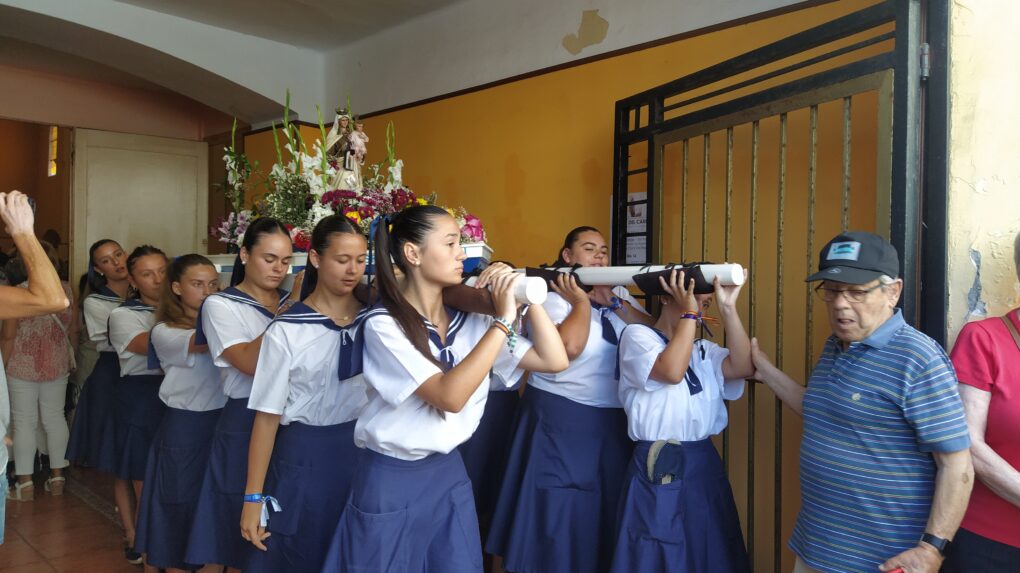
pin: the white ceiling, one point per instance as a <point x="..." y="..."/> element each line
<point x="316" y="24"/>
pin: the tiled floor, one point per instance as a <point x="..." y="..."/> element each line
<point x="73" y="532"/>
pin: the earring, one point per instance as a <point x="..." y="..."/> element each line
<point x="244" y="263"/>
<point x="316" y="267"/>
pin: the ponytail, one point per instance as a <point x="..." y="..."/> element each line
<point x="409" y="226"/>
<point x="259" y="227"/>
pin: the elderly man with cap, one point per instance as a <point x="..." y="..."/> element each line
<point x="885" y="467"/>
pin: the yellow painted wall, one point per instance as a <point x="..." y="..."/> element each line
<point x="984" y="175"/>
<point x="260" y="147"/>
<point x="533" y="158"/>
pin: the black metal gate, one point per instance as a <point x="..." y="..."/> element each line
<point x="760" y="159"/>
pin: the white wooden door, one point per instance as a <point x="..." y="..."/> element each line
<point x="138" y="189"/>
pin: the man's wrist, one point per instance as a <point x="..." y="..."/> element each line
<point x="929" y="548"/>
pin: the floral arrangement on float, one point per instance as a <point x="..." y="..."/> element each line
<point x="328" y="177"/>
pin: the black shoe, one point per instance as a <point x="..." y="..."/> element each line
<point x="132" y="556"/>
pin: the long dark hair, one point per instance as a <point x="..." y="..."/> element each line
<point x="96" y="281"/>
<point x="139" y="252"/>
<point x="258" y="228"/>
<point x="568" y="243"/>
<point x="171" y="310"/>
<point x="408" y="226"/>
<point x="321" y="235"/>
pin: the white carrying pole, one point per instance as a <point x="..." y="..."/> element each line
<point x="729" y="274"/>
<point x="528" y="290"/>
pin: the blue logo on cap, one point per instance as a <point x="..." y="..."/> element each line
<point x="845" y="251"/>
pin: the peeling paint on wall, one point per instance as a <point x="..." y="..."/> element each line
<point x="593" y="30"/>
<point x="984" y="188"/>
<point x="978" y="309"/>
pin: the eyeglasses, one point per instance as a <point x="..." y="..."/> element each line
<point x="851" y="295"/>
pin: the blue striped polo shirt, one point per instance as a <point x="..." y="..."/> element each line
<point x="872" y="416"/>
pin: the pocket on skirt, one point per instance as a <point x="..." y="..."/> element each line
<point x="228" y="462"/>
<point x="285" y="482"/>
<point x="179" y="474"/>
<point x="564" y="460"/>
<point x="463" y="500"/>
<point x="373" y="542"/>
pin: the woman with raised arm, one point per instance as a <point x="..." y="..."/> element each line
<point x="677" y="510"/>
<point x="556" y="509"/>
<point x="427" y="370"/>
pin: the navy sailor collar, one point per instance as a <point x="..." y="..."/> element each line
<point x="301" y="313"/>
<point x="237" y="295"/>
<point x="106" y="294"/>
<point x="457" y="321"/>
<point x="136" y="304"/>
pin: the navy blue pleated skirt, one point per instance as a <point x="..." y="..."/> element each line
<point x="216" y="531"/>
<point x="91" y="440"/>
<point x="137" y="414"/>
<point x="173" y="474"/>
<point x="689" y="525"/>
<point x="407" y="516"/>
<point x="310" y="476"/>
<point x="486" y="451"/>
<point x="557" y="506"/>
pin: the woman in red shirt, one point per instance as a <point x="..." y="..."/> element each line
<point x="987" y="361"/>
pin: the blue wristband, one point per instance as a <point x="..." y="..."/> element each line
<point x="617" y="304"/>
<point x="253" y="498"/>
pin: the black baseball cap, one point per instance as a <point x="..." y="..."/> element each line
<point x="856" y="257"/>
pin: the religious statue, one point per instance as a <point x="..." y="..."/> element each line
<point x="342" y="148"/>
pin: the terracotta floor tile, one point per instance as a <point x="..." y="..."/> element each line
<point x="30" y="568"/>
<point x="15" y="551"/>
<point x="74" y="539"/>
<point x="38" y="523"/>
<point x="103" y="560"/>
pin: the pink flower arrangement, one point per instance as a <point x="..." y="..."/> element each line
<point x="472" y="229"/>
<point x="362" y="207"/>
<point x="231" y="229"/>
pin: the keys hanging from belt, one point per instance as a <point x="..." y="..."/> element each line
<point x="665" y="461"/>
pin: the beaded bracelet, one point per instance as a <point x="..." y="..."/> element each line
<point x="508" y="330"/>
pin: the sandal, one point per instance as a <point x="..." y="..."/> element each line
<point x="55" y="485"/>
<point x="22" y="491"/>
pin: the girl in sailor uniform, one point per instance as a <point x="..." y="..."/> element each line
<point x="137" y="408"/>
<point x="307" y="393"/>
<point x="232" y="322"/>
<point x="677" y="509"/>
<point x="194" y="397"/>
<point x="484" y="453"/>
<point x="557" y="506"/>
<point x="91" y="438"/>
<point x="427" y="369"/>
